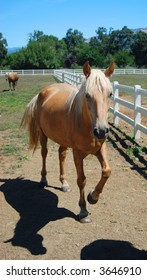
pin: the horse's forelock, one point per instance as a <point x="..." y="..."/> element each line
<point x="98" y="79"/>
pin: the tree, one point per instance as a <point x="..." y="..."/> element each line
<point x="42" y="51"/>
<point x="120" y="40"/>
<point x="36" y="36"/>
<point x="45" y="51"/>
<point x="139" y="49"/>
<point x="16" y="60"/>
<point x="102" y="40"/>
<point x="74" y="41"/>
<point x="3" y="49"/>
<point x="123" y="58"/>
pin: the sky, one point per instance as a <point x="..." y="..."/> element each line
<point x="19" y="18"/>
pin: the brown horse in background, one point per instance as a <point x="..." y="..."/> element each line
<point x="12" y="78"/>
<point x="75" y="118"/>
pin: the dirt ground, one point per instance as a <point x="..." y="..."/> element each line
<point x="42" y="223"/>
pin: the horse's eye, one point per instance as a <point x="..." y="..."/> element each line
<point x="88" y="96"/>
<point x="111" y="95"/>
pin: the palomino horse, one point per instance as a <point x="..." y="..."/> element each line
<point x="12" y="78"/>
<point x="75" y="118"/>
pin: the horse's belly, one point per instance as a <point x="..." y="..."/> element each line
<point x="55" y="127"/>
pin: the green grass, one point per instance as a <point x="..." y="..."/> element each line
<point x="9" y="149"/>
<point x="12" y="103"/>
<point x="131" y="80"/>
<point x="14" y="141"/>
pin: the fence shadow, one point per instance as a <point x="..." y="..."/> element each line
<point x="122" y="142"/>
<point x="112" y="250"/>
<point x="36" y="207"/>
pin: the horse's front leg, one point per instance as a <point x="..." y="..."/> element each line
<point x="9" y="85"/>
<point x="81" y="181"/>
<point x="13" y="84"/>
<point x="106" y="171"/>
<point x="44" y="151"/>
<point x="62" y="156"/>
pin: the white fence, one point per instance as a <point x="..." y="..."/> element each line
<point x="117" y="71"/>
<point x="29" y="72"/>
<point x="137" y="91"/>
<point x="68" y="77"/>
<point x="135" y="106"/>
<point x="128" y="71"/>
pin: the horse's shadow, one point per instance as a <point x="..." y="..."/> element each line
<point x="104" y="249"/>
<point x="5" y="90"/>
<point x="36" y="207"/>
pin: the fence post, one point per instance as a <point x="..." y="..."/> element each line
<point x="137" y="115"/>
<point x="115" y="103"/>
<point x="63" y="77"/>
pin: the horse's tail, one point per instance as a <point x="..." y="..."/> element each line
<point x="29" y="121"/>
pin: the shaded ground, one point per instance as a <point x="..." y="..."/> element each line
<point x="42" y="224"/>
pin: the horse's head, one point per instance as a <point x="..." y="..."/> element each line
<point x="98" y="91"/>
<point x="6" y="76"/>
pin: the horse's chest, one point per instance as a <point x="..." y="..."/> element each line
<point x="87" y="145"/>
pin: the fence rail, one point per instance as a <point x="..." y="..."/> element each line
<point x="29" y="72"/>
<point x="136" y="107"/>
<point x="68" y="77"/>
<point x="117" y="71"/>
<point x="130" y="71"/>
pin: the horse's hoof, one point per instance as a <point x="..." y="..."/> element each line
<point x="85" y="220"/>
<point x="65" y="189"/>
<point x="91" y="200"/>
<point x="43" y="184"/>
<point x="84" y="216"/>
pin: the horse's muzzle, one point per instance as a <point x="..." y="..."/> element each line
<point x="100" y="133"/>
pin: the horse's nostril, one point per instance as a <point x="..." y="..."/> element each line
<point x="96" y="132"/>
<point x="106" y="130"/>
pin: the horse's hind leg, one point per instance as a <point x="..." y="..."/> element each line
<point x="62" y="156"/>
<point x="81" y="181"/>
<point x="44" y="151"/>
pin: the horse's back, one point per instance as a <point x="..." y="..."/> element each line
<point x="56" y="88"/>
<point x="13" y="76"/>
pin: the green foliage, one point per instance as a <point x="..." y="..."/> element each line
<point x="43" y="51"/>
<point x="139" y="49"/>
<point x="120" y="40"/>
<point x="123" y="58"/>
<point x="3" y="50"/>
<point x="74" y="41"/>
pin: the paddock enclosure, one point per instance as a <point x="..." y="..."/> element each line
<point x="42" y="223"/>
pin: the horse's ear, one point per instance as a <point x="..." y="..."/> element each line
<point x="86" y="69"/>
<point x="109" y="71"/>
